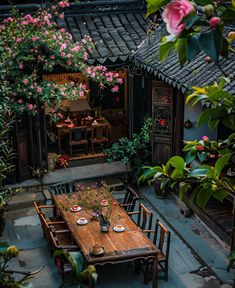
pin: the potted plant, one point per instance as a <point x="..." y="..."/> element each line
<point x="135" y="151"/>
<point x="6" y="274"/>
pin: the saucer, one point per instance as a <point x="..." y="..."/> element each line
<point x="100" y="253"/>
<point x="75" y="210"/>
<point x="119" y="228"/>
<point x="82" y="222"/>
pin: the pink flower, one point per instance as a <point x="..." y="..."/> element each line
<point x="200" y="148"/>
<point x="52" y="57"/>
<point x="30" y="106"/>
<point x="39" y="89"/>
<point x="21" y="66"/>
<point x="173" y="14"/>
<point x="25" y="81"/>
<point x="214" y="21"/>
<point x="207" y="59"/>
<point x="119" y="80"/>
<point x="61" y="16"/>
<point x="205" y="138"/>
<point x="18" y="40"/>
<point x="20" y="101"/>
<point x="81" y="93"/>
<point x="115" y="88"/>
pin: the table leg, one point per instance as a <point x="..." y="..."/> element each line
<point x="155" y="267"/>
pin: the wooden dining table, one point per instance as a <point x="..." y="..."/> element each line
<point x="130" y="245"/>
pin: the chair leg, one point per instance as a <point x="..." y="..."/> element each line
<point x="166" y="271"/>
<point x="146" y="272"/>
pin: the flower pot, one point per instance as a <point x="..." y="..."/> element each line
<point x="52" y="157"/>
<point x="158" y="191"/>
<point x="104" y="226"/>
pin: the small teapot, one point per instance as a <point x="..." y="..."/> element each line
<point x="96" y="249"/>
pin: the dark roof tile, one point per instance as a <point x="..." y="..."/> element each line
<point x="115" y="36"/>
<point x="195" y="73"/>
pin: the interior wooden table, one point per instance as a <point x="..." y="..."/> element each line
<point x="129" y="245"/>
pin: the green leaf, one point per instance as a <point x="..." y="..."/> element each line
<point x="210" y="42"/>
<point x="154" y="5"/>
<point x="221" y="163"/>
<point x="204" y="116"/>
<point x="202" y="156"/>
<point x="165" y="48"/>
<point x="203" y="197"/>
<point x="192" y="49"/>
<point x="190" y="19"/>
<point x="190" y="156"/>
<point x="220" y="194"/>
<point x="228" y="15"/>
<point x="198" y="172"/>
<point x="177" y="174"/>
<point x="229" y="121"/>
<point x="181" y="48"/>
<point x="219" y="95"/>
<point x="183" y="189"/>
<point x="177" y="162"/>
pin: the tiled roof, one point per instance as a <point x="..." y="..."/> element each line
<point x="195" y="73"/>
<point x="116" y="35"/>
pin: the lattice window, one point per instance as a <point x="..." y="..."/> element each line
<point x="162" y="120"/>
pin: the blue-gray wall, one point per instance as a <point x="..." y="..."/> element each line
<point x="196" y="132"/>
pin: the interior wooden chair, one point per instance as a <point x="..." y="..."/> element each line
<point x="130" y="199"/>
<point x="99" y="134"/>
<point x="161" y="238"/>
<point x="144" y="219"/>
<point x="62" y="188"/>
<point x="78" y="138"/>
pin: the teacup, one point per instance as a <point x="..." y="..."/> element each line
<point x="82" y="220"/>
<point x="75" y="207"/>
<point x="104" y="202"/>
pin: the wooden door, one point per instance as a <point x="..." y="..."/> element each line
<point x="162" y="115"/>
<point x="22" y="149"/>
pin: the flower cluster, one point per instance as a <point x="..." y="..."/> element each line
<point x="34" y="43"/>
<point x="91" y="198"/>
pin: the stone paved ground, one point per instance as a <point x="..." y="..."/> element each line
<point x="23" y="230"/>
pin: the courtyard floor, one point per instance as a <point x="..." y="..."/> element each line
<point x="197" y="258"/>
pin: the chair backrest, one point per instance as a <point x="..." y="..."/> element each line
<point x="130" y="199"/>
<point x="47" y="210"/>
<point x="62" y="188"/>
<point x="78" y="133"/>
<point x="145" y="218"/>
<point x="46" y="229"/>
<point x="99" y="131"/>
<point x="161" y="238"/>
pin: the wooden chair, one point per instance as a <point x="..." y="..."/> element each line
<point x="63" y="240"/>
<point x="78" y="137"/>
<point x="145" y="217"/>
<point x="130" y="199"/>
<point x="49" y="227"/>
<point x="62" y="188"/>
<point x="161" y="238"/>
<point x="99" y="134"/>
